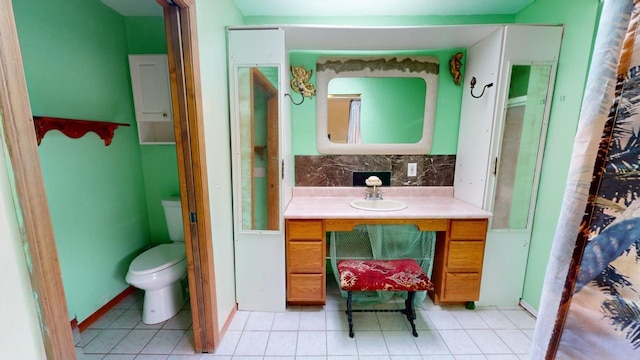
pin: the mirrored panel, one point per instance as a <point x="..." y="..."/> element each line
<point x="376" y="110"/>
<point x="259" y="157"/>
<point x="387" y="102"/>
<point x="518" y="163"/>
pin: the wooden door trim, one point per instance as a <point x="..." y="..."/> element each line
<point x="36" y="226"/>
<point x="184" y="73"/>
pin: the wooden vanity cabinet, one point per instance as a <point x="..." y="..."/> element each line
<point x="306" y="259"/>
<point x="457" y="268"/>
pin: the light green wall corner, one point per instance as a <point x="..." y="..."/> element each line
<point x="213" y="17"/>
<point x="145" y="35"/>
<point x="75" y="60"/>
<point x="580" y="20"/>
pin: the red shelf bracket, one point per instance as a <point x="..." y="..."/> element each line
<point x="75" y="128"/>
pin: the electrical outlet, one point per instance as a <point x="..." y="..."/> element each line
<point x="412" y="169"/>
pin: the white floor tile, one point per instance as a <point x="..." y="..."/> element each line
<point x="185" y="345"/>
<point x="516" y="340"/>
<point x="134" y="342"/>
<point x="469" y="319"/>
<point x="445" y="332"/>
<point x="495" y="319"/>
<point x="152" y="357"/>
<point x="311" y="343"/>
<point x="365" y="321"/>
<point x="181" y="321"/>
<point x="105" y="341"/>
<point x="163" y="342"/>
<point x="339" y="343"/>
<point x="239" y="320"/>
<point x="392" y="321"/>
<point x="400" y="343"/>
<point x="127" y="320"/>
<point x="282" y="343"/>
<point x="336" y="320"/>
<point x="429" y="342"/>
<point x="459" y="342"/>
<point x="489" y="342"/>
<point x="286" y="321"/>
<point x="252" y="343"/>
<point x="443" y="320"/>
<point x="521" y="318"/>
<point x="229" y="343"/>
<point x="260" y="321"/>
<point x="371" y="343"/>
<point x="106" y="319"/>
<point x="313" y="320"/>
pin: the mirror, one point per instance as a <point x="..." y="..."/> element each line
<point x="377" y="100"/>
<point x="386" y="103"/>
<point x="521" y="145"/>
<point x="258" y="132"/>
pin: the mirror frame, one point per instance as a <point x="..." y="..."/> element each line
<point x="328" y="68"/>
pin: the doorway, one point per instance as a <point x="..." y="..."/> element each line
<point x="33" y="209"/>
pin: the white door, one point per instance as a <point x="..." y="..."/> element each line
<point x="515" y="184"/>
<point x="256" y="59"/>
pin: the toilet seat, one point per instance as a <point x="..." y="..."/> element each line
<point x="157" y="258"/>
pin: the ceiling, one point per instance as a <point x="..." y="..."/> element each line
<point x="342" y="7"/>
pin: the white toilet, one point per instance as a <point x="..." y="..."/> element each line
<point x="159" y="270"/>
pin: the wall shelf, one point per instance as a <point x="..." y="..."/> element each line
<point x="75" y="128"/>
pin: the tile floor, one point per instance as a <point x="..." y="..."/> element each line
<point x="315" y="333"/>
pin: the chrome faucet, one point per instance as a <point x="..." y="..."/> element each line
<point x="373" y="194"/>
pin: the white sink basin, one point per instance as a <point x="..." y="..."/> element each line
<point x="378" y="205"/>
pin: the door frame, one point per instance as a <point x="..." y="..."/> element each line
<point x="32" y="206"/>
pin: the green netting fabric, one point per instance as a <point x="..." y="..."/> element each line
<point x="383" y="242"/>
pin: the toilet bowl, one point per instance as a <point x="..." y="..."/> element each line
<point x="159" y="271"/>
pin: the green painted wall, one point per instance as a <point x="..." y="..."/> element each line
<point x="75" y="60"/>
<point x="445" y="138"/>
<point x="580" y="20"/>
<point x="145" y="35"/>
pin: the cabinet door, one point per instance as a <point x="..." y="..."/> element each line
<point x="152" y="98"/>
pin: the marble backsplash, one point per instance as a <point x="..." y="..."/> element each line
<point x="337" y="170"/>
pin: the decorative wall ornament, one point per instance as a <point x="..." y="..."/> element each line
<point x="300" y="83"/>
<point x="455" y="64"/>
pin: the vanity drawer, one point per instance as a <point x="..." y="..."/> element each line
<point x="305" y="257"/>
<point x="468" y="229"/>
<point x="305" y="229"/>
<point x="465" y="254"/>
<point x="306" y="288"/>
<point x="461" y="287"/>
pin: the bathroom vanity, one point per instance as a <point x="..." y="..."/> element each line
<point x="461" y="231"/>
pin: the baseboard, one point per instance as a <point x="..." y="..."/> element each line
<point x="529" y="308"/>
<point x="104" y="309"/>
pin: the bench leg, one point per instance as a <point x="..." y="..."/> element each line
<point x="349" y="314"/>
<point x="411" y="315"/>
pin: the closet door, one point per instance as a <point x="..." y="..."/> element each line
<point x="256" y="59"/>
<point x="523" y="97"/>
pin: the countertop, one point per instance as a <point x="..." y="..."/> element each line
<point x="427" y="202"/>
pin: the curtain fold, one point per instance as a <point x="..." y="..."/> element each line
<point x="353" y="134"/>
<point x="573" y="230"/>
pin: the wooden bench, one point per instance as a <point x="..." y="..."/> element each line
<point x="383" y="275"/>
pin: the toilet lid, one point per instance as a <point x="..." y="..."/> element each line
<point x="157" y="258"/>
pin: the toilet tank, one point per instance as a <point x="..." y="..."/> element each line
<point x="173" y="215"/>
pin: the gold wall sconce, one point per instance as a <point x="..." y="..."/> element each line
<point x="300" y="83"/>
<point x="455" y="64"/>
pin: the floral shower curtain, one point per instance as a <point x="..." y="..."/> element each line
<point x="590" y="306"/>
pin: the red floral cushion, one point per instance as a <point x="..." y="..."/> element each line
<point x="384" y="275"/>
